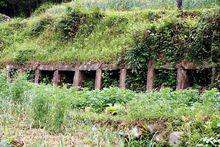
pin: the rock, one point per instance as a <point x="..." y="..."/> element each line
<point x="4" y="18"/>
<point x="174" y="138"/>
<point x="151" y="128"/>
<point x="135" y="131"/>
<point x="158" y="137"/>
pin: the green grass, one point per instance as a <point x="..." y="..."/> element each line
<point x="144" y="4"/>
<point x="47" y="36"/>
<point x="67" y="112"/>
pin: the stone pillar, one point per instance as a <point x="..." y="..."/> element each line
<point x="182" y="79"/>
<point x="56" y="78"/>
<point x="213" y="75"/>
<point x="78" y="78"/>
<point x="21" y="71"/>
<point x="37" y="76"/>
<point x="98" y="79"/>
<point x="8" y="73"/>
<point x="123" y="73"/>
<point x="150" y="76"/>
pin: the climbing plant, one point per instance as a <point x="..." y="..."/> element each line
<point x="173" y="39"/>
<point x="78" y="21"/>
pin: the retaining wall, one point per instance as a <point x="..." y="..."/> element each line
<point x="78" y="75"/>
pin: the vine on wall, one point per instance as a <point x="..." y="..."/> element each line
<point x="175" y="39"/>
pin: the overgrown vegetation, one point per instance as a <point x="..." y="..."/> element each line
<point x="57" y="109"/>
<point x="81" y="35"/>
<point x="26" y="8"/>
<point x="116" y="31"/>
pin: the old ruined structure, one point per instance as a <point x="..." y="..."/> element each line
<point x="77" y="74"/>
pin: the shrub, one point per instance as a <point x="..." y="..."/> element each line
<point x="24" y="55"/>
<point x="17" y="88"/>
<point x="41" y="104"/>
<point x="99" y="100"/>
<point x="43" y="8"/>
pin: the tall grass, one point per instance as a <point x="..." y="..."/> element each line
<point x="44" y="37"/>
<point x="145" y="4"/>
<point x="61" y="110"/>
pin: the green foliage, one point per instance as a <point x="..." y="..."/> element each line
<point x="145" y="4"/>
<point x="70" y="25"/>
<point x="23" y="56"/>
<point x="42" y="8"/>
<point x="89" y="84"/>
<point x="110" y="79"/>
<point x="195" y="114"/>
<point x="78" y="22"/>
<point x="99" y="100"/>
<point x="174" y="39"/>
<point x="1" y="45"/>
<point x="82" y="35"/>
<point x="136" y="80"/>
<point x="166" y="78"/>
<point x="41" y="107"/>
<point x="212" y="141"/>
<point x="40" y="25"/>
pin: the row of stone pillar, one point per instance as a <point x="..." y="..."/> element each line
<point x="182" y="77"/>
<point x="79" y="77"/>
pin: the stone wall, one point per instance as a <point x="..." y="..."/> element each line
<point x="78" y="75"/>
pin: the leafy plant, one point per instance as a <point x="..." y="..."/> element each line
<point x="23" y="56"/>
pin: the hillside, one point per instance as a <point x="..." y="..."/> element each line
<point x="71" y="34"/>
<point x="110" y="73"/>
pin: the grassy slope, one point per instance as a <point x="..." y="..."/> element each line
<point x="39" y="38"/>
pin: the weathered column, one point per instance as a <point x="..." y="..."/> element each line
<point x="21" y="71"/>
<point x="56" y="78"/>
<point x="213" y="75"/>
<point x="98" y="79"/>
<point x="8" y="68"/>
<point x="122" y="83"/>
<point x="37" y="76"/>
<point x="150" y="76"/>
<point x="182" y="79"/>
<point x="78" y="78"/>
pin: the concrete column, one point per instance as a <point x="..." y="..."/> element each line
<point x="37" y="76"/>
<point x="56" y="78"/>
<point x="150" y="76"/>
<point x="78" y="78"/>
<point x="182" y="79"/>
<point x="213" y="75"/>
<point x="8" y="73"/>
<point x="123" y="73"/>
<point x="21" y="71"/>
<point x="98" y="79"/>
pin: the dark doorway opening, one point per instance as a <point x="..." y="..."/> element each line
<point x="200" y="78"/>
<point x="165" y="78"/>
<point x="66" y="77"/>
<point x="110" y="78"/>
<point x="13" y="74"/>
<point x="30" y="74"/>
<point x="88" y="79"/>
<point x="136" y="81"/>
<point x="46" y="76"/>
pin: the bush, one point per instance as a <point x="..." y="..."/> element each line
<point x="42" y="8"/>
<point x="172" y="104"/>
<point x="38" y="27"/>
<point x="24" y="55"/>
